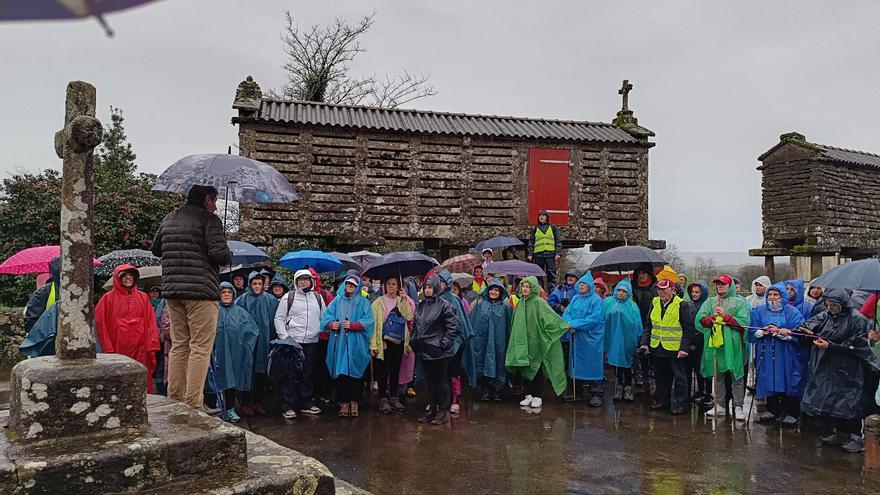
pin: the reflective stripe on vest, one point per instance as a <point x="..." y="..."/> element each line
<point x="666" y="331"/>
<point x="545" y="241"/>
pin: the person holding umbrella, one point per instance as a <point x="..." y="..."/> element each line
<point x="544" y="247"/>
<point x="349" y="319"/>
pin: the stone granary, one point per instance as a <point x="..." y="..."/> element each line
<point x="368" y="175"/>
<point x="819" y="205"/>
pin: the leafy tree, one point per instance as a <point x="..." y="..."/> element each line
<point x="127" y="210"/>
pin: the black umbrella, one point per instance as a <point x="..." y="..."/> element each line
<point x="626" y="258"/>
<point x="135" y="257"/>
<point x="347" y="261"/>
<point x="860" y="275"/>
<point x="514" y="267"/>
<point x="498" y="243"/>
<point x="401" y="264"/>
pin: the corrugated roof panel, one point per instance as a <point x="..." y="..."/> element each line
<point x="441" y="123"/>
<point x="850" y="156"/>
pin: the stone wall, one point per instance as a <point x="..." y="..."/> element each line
<point x="11" y="334"/>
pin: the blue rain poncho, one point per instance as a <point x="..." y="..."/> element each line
<point x="802" y="305"/>
<point x="465" y="331"/>
<point x="234" y="346"/>
<point x="623" y="326"/>
<point x="586" y="314"/>
<point x="491" y="323"/>
<point x="262" y="309"/>
<point x="780" y="364"/>
<point x="348" y="351"/>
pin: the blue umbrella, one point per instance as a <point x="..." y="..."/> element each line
<point x="859" y="275"/>
<point x="244" y="253"/>
<point x="514" y="267"/>
<point x="401" y="264"/>
<point x="319" y="261"/>
<point x="500" y="242"/>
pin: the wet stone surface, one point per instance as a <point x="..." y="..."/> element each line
<point x="496" y="448"/>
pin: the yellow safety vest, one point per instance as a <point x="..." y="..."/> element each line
<point x="545" y="241"/>
<point x="51" y="300"/>
<point x="666" y="331"/>
<point x="478" y="288"/>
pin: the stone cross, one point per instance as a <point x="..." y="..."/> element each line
<point x="74" y="144"/>
<point x="624" y="90"/>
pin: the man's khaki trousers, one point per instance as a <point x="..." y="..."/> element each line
<point x="193" y="328"/>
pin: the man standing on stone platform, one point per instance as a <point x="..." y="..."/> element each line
<point x="192" y="245"/>
<point x="545" y="245"/>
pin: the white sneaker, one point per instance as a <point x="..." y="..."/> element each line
<point x="536" y="402"/>
<point x="739" y="414"/>
<point x="721" y="412"/>
<point x="527" y="401"/>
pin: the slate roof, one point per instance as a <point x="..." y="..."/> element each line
<point x="849" y="156"/>
<point x="383" y="119"/>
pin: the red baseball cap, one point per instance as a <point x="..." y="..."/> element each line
<point x="723" y="279"/>
<point x="664" y="283"/>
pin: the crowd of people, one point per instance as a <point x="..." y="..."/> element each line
<point x="228" y="347"/>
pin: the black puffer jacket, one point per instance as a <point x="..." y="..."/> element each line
<point x="192" y="246"/>
<point x="436" y="326"/>
<point x="644" y="296"/>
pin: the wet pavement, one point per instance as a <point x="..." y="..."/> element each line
<point x="498" y="448"/>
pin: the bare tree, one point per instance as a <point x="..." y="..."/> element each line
<point x="317" y="67"/>
<point x="673" y="257"/>
<point x="704" y="268"/>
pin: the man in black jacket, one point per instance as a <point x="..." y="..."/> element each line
<point x="192" y="245"/>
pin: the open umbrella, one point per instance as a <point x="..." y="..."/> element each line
<point x="348" y="263"/>
<point x="463" y="279"/>
<point x="400" y="264"/>
<point x="859" y="275"/>
<point x="364" y="257"/>
<point x="32" y="260"/>
<point x="321" y="262"/>
<point x="244" y="253"/>
<point x="500" y="242"/>
<point x="134" y="257"/>
<point x="463" y="263"/>
<point x="148" y="276"/>
<point x="27" y="10"/>
<point x="515" y="267"/>
<point x="625" y="258"/>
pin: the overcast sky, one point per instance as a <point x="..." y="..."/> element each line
<point x="717" y="83"/>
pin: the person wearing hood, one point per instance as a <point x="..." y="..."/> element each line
<point x="44" y="297"/>
<point x="668" y="341"/>
<point x="841" y="372"/>
<point x="699" y="387"/>
<point x="462" y="364"/>
<point x="813" y="297"/>
<point x="780" y="360"/>
<point x="559" y="299"/>
<point x="545" y="246"/>
<point x="586" y="318"/>
<point x="722" y="322"/>
<point x="759" y="289"/>
<point x="392" y="320"/>
<point x="262" y="307"/>
<point x="795" y="288"/>
<point x="490" y="318"/>
<point x="349" y="318"/>
<point x="126" y="323"/>
<point x="433" y="340"/>
<point x="644" y="292"/>
<point x="623" y="331"/>
<point x="278" y="287"/>
<point x="238" y="281"/>
<point x="232" y="364"/>
<point x="601" y="288"/>
<point x="267" y="274"/>
<point x="299" y="317"/>
<point x="534" y="349"/>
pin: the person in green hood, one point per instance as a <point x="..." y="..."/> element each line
<point x="534" y="348"/>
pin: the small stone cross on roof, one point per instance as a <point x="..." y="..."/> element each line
<point x="624" y="90"/>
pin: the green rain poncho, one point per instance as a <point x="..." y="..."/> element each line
<point x="725" y="342"/>
<point x="534" y="339"/>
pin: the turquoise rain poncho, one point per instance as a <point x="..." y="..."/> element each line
<point x="586" y="314"/>
<point x="465" y="331"/>
<point x="623" y="326"/>
<point x="262" y="309"/>
<point x="491" y="323"/>
<point x="234" y="346"/>
<point x="348" y="351"/>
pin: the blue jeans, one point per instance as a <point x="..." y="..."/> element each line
<point x="297" y="393"/>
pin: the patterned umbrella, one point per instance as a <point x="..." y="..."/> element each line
<point x="134" y="257"/>
<point x="464" y="263"/>
<point x="32" y="260"/>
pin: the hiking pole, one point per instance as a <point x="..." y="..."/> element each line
<point x="571" y="358"/>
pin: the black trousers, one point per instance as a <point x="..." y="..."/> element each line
<point x="623" y="377"/>
<point x="669" y="373"/>
<point x="849" y="426"/>
<point x="696" y="381"/>
<point x="547" y="262"/>
<point x="349" y="389"/>
<point x="388" y="369"/>
<point x="323" y="385"/>
<point x="535" y="387"/>
<point x="438" y="382"/>
<point x="258" y="390"/>
<point x="298" y="393"/>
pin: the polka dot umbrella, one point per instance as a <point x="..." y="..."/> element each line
<point x="32" y="260"/>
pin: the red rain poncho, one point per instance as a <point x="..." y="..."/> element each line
<point x="126" y="324"/>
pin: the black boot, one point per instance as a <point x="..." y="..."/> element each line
<point x="429" y="416"/>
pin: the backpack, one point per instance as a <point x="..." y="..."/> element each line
<point x="394" y="328"/>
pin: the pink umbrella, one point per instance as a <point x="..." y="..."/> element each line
<point x="32" y="260"/>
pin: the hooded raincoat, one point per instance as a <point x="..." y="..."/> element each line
<point x="704" y="295"/>
<point x="234" y="346"/>
<point x="803" y="306"/>
<point x="755" y="300"/>
<point x="278" y="280"/>
<point x="348" y="351"/>
<point x="534" y="339"/>
<point x="436" y="326"/>
<point x="623" y="326"/>
<point x="126" y="323"/>
<point x="262" y="309"/>
<point x="723" y="341"/>
<point x="586" y="315"/>
<point x="840" y="379"/>
<point x="491" y="320"/>
<point x="780" y="362"/>
<point x="465" y="331"/>
<point x="601" y="283"/>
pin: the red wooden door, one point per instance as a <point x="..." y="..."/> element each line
<point x="548" y="184"/>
